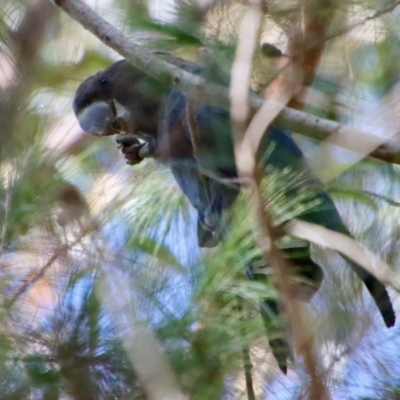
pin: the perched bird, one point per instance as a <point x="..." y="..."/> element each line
<point x="195" y="140"/>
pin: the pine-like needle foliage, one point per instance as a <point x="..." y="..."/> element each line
<point x="92" y="251"/>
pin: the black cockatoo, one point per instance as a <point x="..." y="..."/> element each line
<point x="195" y="140"/>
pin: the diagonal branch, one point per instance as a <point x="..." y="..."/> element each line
<point x="387" y="9"/>
<point x="345" y="245"/>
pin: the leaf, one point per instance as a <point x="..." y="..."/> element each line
<point x="355" y="195"/>
<point x="155" y="249"/>
<point x="39" y="373"/>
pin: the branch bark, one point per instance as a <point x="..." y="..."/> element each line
<point x="345" y="245"/>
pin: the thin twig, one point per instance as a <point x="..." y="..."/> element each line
<point x="378" y="196"/>
<point x="239" y="88"/>
<point x="247" y="372"/>
<point x="333" y="189"/>
<point x="379" y="13"/>
<point x="39" y="273"/>
<point x="302" y="336"/>
<point x="247" y="364"/>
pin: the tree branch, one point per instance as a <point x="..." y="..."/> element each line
<point x="345" y="245"/>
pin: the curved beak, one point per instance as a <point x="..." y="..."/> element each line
<point x="97" y="119"/>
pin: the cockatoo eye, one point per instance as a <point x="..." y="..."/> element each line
<point x="103" y="81"/>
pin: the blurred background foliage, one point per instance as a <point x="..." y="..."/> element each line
<point x="72" y="214"/>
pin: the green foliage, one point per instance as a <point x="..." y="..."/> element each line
<point x="379" y="69"/>
<point x="58" y="338"/>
